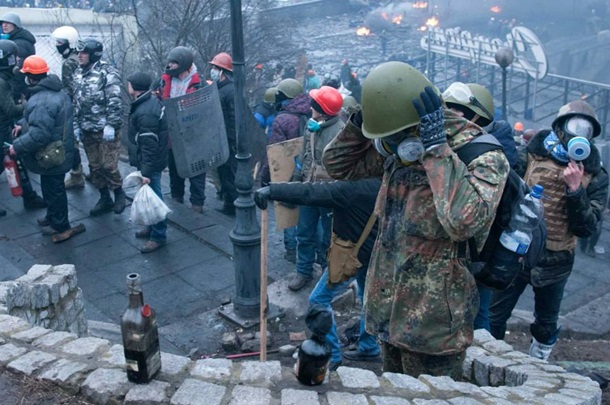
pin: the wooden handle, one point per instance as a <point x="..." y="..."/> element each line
<point x="263" y="305"/>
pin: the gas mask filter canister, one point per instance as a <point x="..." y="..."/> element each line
<point x="579" y="148"/>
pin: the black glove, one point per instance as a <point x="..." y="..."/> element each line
<point x="432" y="121"/>
<point x="296" y="177"/>
<point x="356" y="119"/>
<point x="261" y="197"/>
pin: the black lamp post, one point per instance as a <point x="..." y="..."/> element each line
<point x="504" y="57"/>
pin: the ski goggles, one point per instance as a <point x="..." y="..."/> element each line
<point x="461" y="93"/>
<point x="578" y="126"/>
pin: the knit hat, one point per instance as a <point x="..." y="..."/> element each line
<point x="316" y="106"/>
<point x="139" y="81"/>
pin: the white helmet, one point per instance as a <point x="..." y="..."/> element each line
<point x="66" y="33"/>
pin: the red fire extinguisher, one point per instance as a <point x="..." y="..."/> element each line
<point x="12" y="175"/>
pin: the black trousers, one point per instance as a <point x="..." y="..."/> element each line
<point x="226" y="175"/>
<point x="177" y="184"/>
<point x="76" y="160"/>
<point x="54" y="194"/>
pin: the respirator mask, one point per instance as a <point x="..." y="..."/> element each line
<point x="408" y="150"/>
<point x="313" y="125"/>
<point x="578" y="131"/>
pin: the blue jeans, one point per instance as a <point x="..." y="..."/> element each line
<point x="323" y="294"/>
<point x="159" y="230"/>
<point x="547" y="302"/>
<point x="290" y="238"/>
<point x="307" y="237"/>
<point x="481" y="321"/>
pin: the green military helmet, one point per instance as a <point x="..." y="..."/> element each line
<point x="269" y="96"/>
<point x="578" y="107"/>
<point x="471" y="96"/>
<point x="290" y="87"/>
<point x="387" y="99"/>
<point x="483" y="96"/>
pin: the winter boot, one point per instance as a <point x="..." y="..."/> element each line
<point x="119" y="200"/>
<point x="76" y="179"/>
<point x="539" y="350"/>
<point x="104" y="204"/>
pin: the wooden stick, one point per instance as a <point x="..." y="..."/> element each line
<point x="263" y="305"/>
<point x="252" y="354"/>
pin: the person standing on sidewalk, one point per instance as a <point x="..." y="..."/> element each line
<point x="352" y="203"/>
<point x="575" y="195"/>
<point x="98" y="118"/>
<point x="324" y="124"/>
<point x="47" y="119"/>
<point x="65" y="39"/>
<point x="148" y="148"/>
<point x="180" y="78"/>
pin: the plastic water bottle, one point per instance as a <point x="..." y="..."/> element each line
<point x="524" y="220"/>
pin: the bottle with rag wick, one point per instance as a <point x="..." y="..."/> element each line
<point x="314" y="353"/>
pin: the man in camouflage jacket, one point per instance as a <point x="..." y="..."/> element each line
<point x="420" y="298"/>
<point x="98" y="114"/>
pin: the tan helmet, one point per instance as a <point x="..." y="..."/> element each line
<point x="472" y="96"/>
<point x="269" y="96"/>
<point x="578" y="107"/>
<point x="290" y="88"/>
<point x="387" y="99"/>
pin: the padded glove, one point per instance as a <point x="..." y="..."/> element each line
<point x="108" y="133"/>
<point x="261" y="197"/>
<point x="432" y="121"/>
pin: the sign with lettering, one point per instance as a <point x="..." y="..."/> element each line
<point x="529" y="53"/>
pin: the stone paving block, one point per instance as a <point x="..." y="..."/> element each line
<point x="18" y="295"/>
<point x="86" y="346"/>
<point x="551" y="368"/>
<point x="406" y="382"/>
<point x="10" y="325"/>
<point x="66" y="373"/>
<point x="388" y="400"/>
<point x="482" y="336"/>
<point x="497" y="346"/>
<point x="3" y="310"/>
<point x="497" y="372"/>
<point x="481" y="367"/>
<point x="357" y="378"/>
<point x="500" y="401"/>
<point x="498" y="392"/>
<point x="9" y="351"/>
<point x="212" y="368"/>
<point x="527" y="393"/>
<point x="582" y="385"/>
<point x="590" y="398"/>
<point x="468" y="364"/>
<point x="53" y="339"/>
<point x="115" y="356"/>
<point x="172" y="364"/>
<point x="343" y="398"/>
<point x="269" y="371"/>
<point x="155" y="392"/>
<point x="517" y="375"/>
<point x="250" y="396"/>
<point x="35" y="272"/>
<point x="546" y="384"/>
<point x="515" y="355"/>
<point x="2" y="341"/>
<point x="105" y="385"/>
<point x="465" y="401"/>
<point x="31" y="334"/>
<point x="555" y="398"/>
<point x="299" y="397"/>
<point x="31" y="363"/>
<point x="419" y="401"/>
<point x="195" y="392"/>
<point x="40" y="296"/>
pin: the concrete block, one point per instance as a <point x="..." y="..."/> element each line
<point x="255" y="371"/>
<point x="10" y="325"/>
<point x="155" y="392"/>
<point x="357" y="378"/>
<point x="29" y="335"/>
<point x="497" y="346"/>
<point x="482" y="336"/>
<point x="195" y="392"/>
<point x="9" y="351"/>
<point x="172" y="364"/>
<point x="31" y="362"/>
<point x="212" y="368"/>
<point x="104" y="386"/>
<point x="343" y="398"/>
<point x="287" y="350"/>
<point x="299" y="397"/>
<point x="250" y="396"/>
<point x="86" y="346"/>
<point x="388" y="400"/>
<point x="66" y="373"/>
<point x="406" y="382"/>
<point x="115" y="356"/>
<point x="54" y="339"/>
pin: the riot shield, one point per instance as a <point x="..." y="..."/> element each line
<point x="197" y="131"/>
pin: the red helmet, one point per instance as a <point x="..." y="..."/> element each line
<point x="34" y="65"/>
<point x="328" y="98"/>
<point x="223" y="60"/>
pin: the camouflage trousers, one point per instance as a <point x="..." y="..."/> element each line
<point x="396" y="360"/>
<point x="103" y="160"/>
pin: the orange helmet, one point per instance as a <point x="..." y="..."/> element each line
<point x="328" y="98"/>
<point x="518" y="126"/>
<point x="223" y="60"/>
<point x="34" y="65"/>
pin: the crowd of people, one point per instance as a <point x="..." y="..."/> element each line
<point x="381" y="191"/>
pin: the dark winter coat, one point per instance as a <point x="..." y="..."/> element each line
<point x="148" y="135"/>
<point x="226" y="91"/>
<point x="352" y="203"/>
<point x="287" y="123"/>
<point x="503" y="132"/>
<point x="582" y="209"/>
<point x="47" y="118"/>
<point x="9" y="110"/>
<point x="25" y="44"/>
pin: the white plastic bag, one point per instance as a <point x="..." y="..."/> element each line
<point x="147" y="208"/>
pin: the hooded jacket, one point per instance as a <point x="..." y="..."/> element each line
<point x="287" y="123"/>
<point x="25" y="44"/>
<point x="226" y="91"/>
<point x="419" y="294"/>
<point x="47" y="118"/>
<point x="148" y="135"/>
<point x="313" y="148"/>
<point x="9" y="110"/>
<point x="503" y="132"/>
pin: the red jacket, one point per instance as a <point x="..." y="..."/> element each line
<point x="195" y="84"/>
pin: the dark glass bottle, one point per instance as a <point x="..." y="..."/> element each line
<point x="140" y="335"/>
<point x="312" y="361"/>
